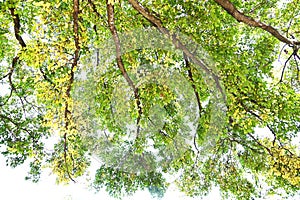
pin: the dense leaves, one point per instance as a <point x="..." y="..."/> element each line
<point x="212" y="97"/>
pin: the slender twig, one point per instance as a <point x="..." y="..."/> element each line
<point x="18" y="125"/>
<point x="190" y="74"/>
<point x="48" y="79"/>
<point x="106" y="135"/>
<point x="283" y="70"/>
<point x="94" y="8"/>
<point x="281" y="52"/>
<point x="23" y="106"/>
<point x="289" y="26"/>
<point x="3" y="77"/>
<point x="297" y="65"/>
<point x="10" y="81"/>
<point x="243" y="143"/>
<point x="256" y="140"/>
<point x="34" y="106"/>
<point x="256" y="7"/>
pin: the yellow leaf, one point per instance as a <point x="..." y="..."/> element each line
<point x="112" y="2"/>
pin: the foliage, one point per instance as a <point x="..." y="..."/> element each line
<point x="149" y="112"/>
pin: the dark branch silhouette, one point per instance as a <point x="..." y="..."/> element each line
<point x="190" y="74"/>
<point x="17" y="27"/>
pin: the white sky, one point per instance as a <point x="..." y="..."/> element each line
<point x="14" y="187"/>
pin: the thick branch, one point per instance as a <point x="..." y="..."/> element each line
<point x="240" y="17"/>
<point x="17" y="27"/>
<point x="176" y="42"/>
<point x="111" y="24"/>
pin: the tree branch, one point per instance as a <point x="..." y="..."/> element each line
<point x="17" y="27"/>
<point x="176" y="42"/>
<point x="240" y="17"/>
<point x="111" y="24"/>
<point x="48" y="79"/>
<point x="248" y="110"/>
<point x="283" y="70"/>
<point x="260" y="144"/>
<point x="70" y="84"/>
<point x="10" y="73"/>
<point x="190" y="74"/>
<point x="94" y="8"/>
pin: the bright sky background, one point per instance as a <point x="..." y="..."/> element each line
<point x="14" y="187"/>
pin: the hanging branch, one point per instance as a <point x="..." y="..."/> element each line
<point x="295" y="56"/>
<point x="190" y="74"/>
<point x="240" y="17"/>
<point x="257" y="116"/>
<point x="297" y="64"/>
<point x="70" y="84"/>
<point x="176" y="42"/>
<point x="17" y="27"/>
<point x="111" y="23"/>
<point x="283" y="70"/>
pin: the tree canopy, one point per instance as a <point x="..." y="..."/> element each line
<point x="154" y="89"/>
